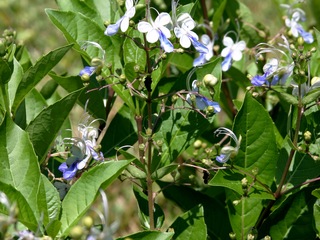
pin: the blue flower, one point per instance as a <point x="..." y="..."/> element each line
<point x="123" y="22"/>
<point x="232" y="51"/>
<point x="228" y="151"/>
<point x="296" y="29"/>
<point x="87" y="71"/>
<point x="277" y="69"/>
<point x="158" y="30"/>
<point x="201" y="102"/>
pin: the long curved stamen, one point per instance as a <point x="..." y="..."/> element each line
<point x="189" y="86"/>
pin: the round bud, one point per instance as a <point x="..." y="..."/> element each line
<point x="85" y="77"/>
<point x="159" y="143"/>
<point x="106" y="23"/>
<point x="244" y="182"/>
<point x="87" y="222"/>
<point x="236" y="202"/>
<point x="3" y="46"/>
<point x="97" y="148"/>
<point x="313" y="49"/>
<point x="142" y="146"/>
<point x="255" y="171"/>
<point x="95" y="62"/>
<point x="210" y="80"/>
<point x="250" y="236"/>
<point x="300" y="41"/>
<point x="149" y="131"/>
<point x="307" y="136"/>
<point x="122" y="78"/>
<point x="232" y="236"/>
<point x="210" y="109"/>
<point x="197" y="144"/>
<point x="262" y="34"/>
<point x="204" y="145"/>
<point x="109" y="65"/>
<point x="180" y="50"/>
<point x="136" y="68"/>
<point x="164" y="56"/>
<point x="267" y="238"/>
<point x="174" y="98"/>
<point x="131" y="23"/>
<point x="76" y="232"/>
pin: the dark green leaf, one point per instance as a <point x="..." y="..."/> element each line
<point x="149" y="235"/>
<point x="83" y="193"/>
<point x="190" y="225"/>
<point x="36" y="73"/>
<point x="311" y="96"/>
<point x="34" y="104"/>
<point x="45" y="127"/>
<point x="132" y="52"/>
<point x="6" y="70"/>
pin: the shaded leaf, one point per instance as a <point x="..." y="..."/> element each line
<point x="45" y="127"/>
<point x="148" y="235"/>
<point x="35" y="73"/>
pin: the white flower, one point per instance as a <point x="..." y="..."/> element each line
<point x="123" y="22"/>
<point x="232" y="51"/>
<point x="158" y="30"/>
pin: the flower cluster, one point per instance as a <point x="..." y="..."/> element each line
<point x="297" y="16"/>
<point x="278" y="68"/>
<point x="82" y="150"/>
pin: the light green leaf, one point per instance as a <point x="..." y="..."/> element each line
<point x="79" y="29"/>
<point x="132" y="52"/>
<point x="161" y="172"/>
<point x="34" y="104"/>
<point x="190" y="225"/>
<point x="311" y="96"/>
<point x="83" y="193"/>
<point x="19" y="170"/>
<point x="45" y="127"/>
<point x="244" y="215"/>
<point x="36" y="73"/>
<point x="52" y="199"/>
<point x="148" y="235"/>
<point x="316" y="214"/>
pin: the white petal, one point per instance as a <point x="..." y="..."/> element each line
<point x="178" y="32"/>
<point x="130" y="12"/>
<point x="144" y="27"/>
<point x="124" y="24"/>
<point x="183" y="17"/>
<point x="236" y="55"/>
<point x="240" y="45"/>
<point x="185" y="41"/>
<point x="189" y="24"/>
<point x="227" y="41"/>
<point x="163" y="19"/>
<point x="129" y="4"/>
<point x="205" y="39"/>
<point x="225" y="51"/>
<point x="152" y="36"/>
<point x="165" y="31"/>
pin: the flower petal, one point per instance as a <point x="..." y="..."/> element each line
<point x="124" y="24"/>
<point x="166" y="45"/>
<point x="227" y="41"/>
<point x="200" y="60"/>
<point x="163" y="19"/>
<point x="129" y="4"/>
<point x="152" y="36"/>
<point x="258" y="80"/>
<point x="185" y="41"/>
<point x="226" y="64"/>
<point x="144" y="27"/>
<point x="112" y="29"/>
<point x="236" y="55"/>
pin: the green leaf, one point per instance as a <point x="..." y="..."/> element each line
<point x="19" y="169"/>
<point x="34" y="104"/>
<point x="288" y="98"/>
<point x="81" y="7"/>
<point x="83" y="193"/>
<point x="52" y="199"/>
<point x="311" y="96"/>
<point x="213" y="201"/>
<point x="79" y="29"/>
<point x="218" y="13"/>
<point x="132" y="52"/>
<point x="244" y="215"/>
<point x="190" y="225"/>
<point x="15" y="80"/>
<point x="36" y="73"/>
<point x="6" y="70"/>
<point x="148" y="235"/>
<point x="121" y="131"/>
<point x="142" y="200"/>
<point x="45" y="127"/>
<point x="161" y="172"/>
<point x="258" y="150"/>
<point x="178" y="130"/>
<point x="293" y="219"/>
<point x="316" y="214"/>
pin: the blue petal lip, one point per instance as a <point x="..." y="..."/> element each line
<point x="112" y="29"/>
<point x="87" y="70"/>
<point x="258" y="80"/>
<point x="166" y="45"/>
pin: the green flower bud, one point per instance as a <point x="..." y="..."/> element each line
<point x="244" y="182"/>
<point x="87" y="222"/>
<point x="149" y="132"/>
<point x="106" y="23"/>
<point x="122" y="78"/>
<point x="197" y="144"/>
<point x="95" y="62"/>
<point x="232" y="236"/>
<point x="210" y="110"/>
<point x="255" y="171"/>
<point x="250" y="236"/>
<point x="97" y="148"/>
<point x="236" y="202"/>
<point x="76" y="232"/>
<point x="3" y="46"/>
<point x="300" y="41"/>
<point x="174" y="98"/>
<point x="307" y="136"/>
<point x="85" y="78"/>
<point x="262" y="34"/>
<point x="267" y="238"/>
<point x="210" y="80"/>
<point x="164" y="56"/>
<point x="142" y="146"/>
<point x="109" y="65"/>
<point x="136" y="68"/>
<point x="131" y="23"/>
<point x="159" y="143"/>
<point x="180" y="50"/>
